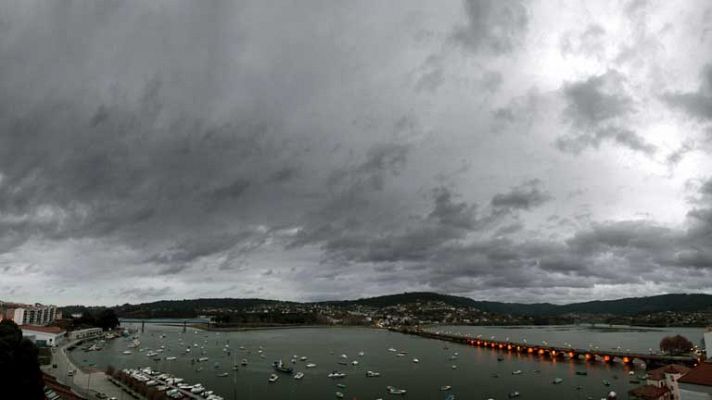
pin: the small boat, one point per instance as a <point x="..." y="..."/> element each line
<point x="396" y="391"/>
<point x="392" y="349"/>
<point x="342" y="363"/>
<point x="235" y="367"/>
<point x="512" y="395"/>
<point x="339" y="395"/>
<point x="415" y="360"/>
<point x="631" y="372"/>
<point x="361" y="353"/>
<point x="556" y="381"/>
<point x="500" y="358"/>
<point x="336" y="374"/>
<point x="202" y="359"/>
<point x="273" y="378"/>
<point x="445" y="388"/>
<point x="223" y="374"/>
<point x="450" y="397"/>
<point x="280" y="367"/>
<point x="127" y="352"/>
<point x="400" y="355"/>
<point x="341" y="385"/>
<point x="303" y="358"/>
<point x="311" y="365"/>
<point x="170" y="358"/>
<point x="354" y="362"/>
<point x="517" y="372"/>
<point x="344" y="356"/>
<point x="453" y="366"/>
<point x="243" y="362"/>
<point x="299" y="375"/>
<point x="581" y="373"/>
<point x="606" y="383"/>
<point x="372" y="374"/>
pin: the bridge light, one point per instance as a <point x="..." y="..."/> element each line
<point x="606" y="358"/>
<point x="541" y="351"/>
<point x="530" y="350"/>
<point x="587" y="356"/>
<point x="626" y="360"/>
<point x="571" y="354"/>
<point x="553" y="353"/>
<point x="509" y="347"/>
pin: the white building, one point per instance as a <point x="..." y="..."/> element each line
<point x="84" y="333"/>
<point x="49" y="336"/>
<point x="697" y="384"/>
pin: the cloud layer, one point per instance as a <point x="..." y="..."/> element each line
<point x="502" y="150"/>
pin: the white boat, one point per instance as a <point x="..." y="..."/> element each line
<point x="372" y="374"/>
<point x="273" y="378"/>
<point x="243" y="362"/>
<point x="336" y="374"/>
<point x="453" y="366"/>
<point x="394" y="390"/>
<point x="445" y="388"/>
<point x="354" y="362"/>
<point x="512" y="395"/>
<point x="392" y="349"/>
<point x="517" y="372"/>
<point x="223" y="374"/>
<point x="415" y="360"/>
<point x="311" y="365"/>
<point x="339" y="395"/>
<point x="303" y="358"/>
<point x="170" y="358"/>
<point x="344" y="356"/>
<point x="197" y="389"/>
<point x="361" y="353"/>
<point x="201" y="359"/>
<point x="299" y="375"/>
<point x="556" y="381"/>
<point x="400" y="355"/>
<point x="127" y="352"/>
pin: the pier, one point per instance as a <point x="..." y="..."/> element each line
<point x="557" y="352"/>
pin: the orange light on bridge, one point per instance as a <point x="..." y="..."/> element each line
<point x="501" y="346"/>
<point x="493" y="345"/>
<point x="626" y="360"/>
<point x="553" y="353"/>
<point x="606" y="358"/>
<point x="530" y="350"/>
<point x="541" y="351"/>
<point x="509" y="347"/>
<point x="479" y="343"/>
<point x="587" y="356"/>
<point x="571" y="354"/>
<point x="519" y="348"/>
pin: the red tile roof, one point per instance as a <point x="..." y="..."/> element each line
<point x="659" y="373"/>
<point x="45" y="329"/>
<point x="700" y="375"/>
<point x="648" y="392"/>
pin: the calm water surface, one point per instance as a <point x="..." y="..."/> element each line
<point x="478" y="373"/>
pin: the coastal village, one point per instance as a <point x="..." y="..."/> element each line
<point x="55" y="331"/>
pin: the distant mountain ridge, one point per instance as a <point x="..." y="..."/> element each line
<point x="623" y="307"/>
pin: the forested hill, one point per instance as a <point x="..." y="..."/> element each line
<point x="625" y="306"/>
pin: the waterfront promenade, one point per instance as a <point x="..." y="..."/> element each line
<point x="87" y="382"/>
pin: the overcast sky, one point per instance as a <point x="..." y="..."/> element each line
<point x="307" y="150"/>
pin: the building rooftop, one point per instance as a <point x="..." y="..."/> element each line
<point x="658" y="374"/>
<point x="648" y="392"/>
<point x="700" y="375"/>
<point x="44" y="329"/>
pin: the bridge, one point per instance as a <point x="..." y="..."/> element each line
<point x="557" y="352"/>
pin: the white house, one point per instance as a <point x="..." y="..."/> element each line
<point x="49" y="336"/>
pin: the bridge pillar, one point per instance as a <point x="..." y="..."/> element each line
<point x="185" y="326"/>
<point x="143" y="326"/>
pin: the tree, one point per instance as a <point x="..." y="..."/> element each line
<point x="20" y="374"/>
<point x="675" y="344"/>
<point x="107" y="319"/>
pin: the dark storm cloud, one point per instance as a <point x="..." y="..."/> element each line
<point x="523" y="197"/>
<point x="697" y="104"/>
<point x="496" y="26"/>
<point x="595" y="108"/>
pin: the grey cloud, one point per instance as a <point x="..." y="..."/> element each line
<point x="523" y="197"/>
<point x="496" y="26"/>
<point x="597" y="108"/>
<point x="696" y="104"/>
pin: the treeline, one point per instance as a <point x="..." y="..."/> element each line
<point x="268" y="318"/>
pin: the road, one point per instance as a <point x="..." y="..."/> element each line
<point x="87" y="383"/>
